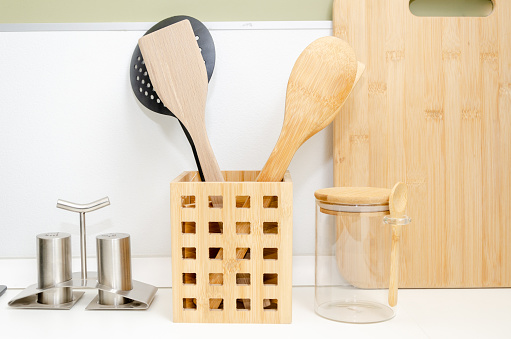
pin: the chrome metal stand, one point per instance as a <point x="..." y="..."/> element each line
<point x="28" y="299"/>
<point x="82" y="209"/>
<point x="138" y="297"/>
<point x="141" y="295"/>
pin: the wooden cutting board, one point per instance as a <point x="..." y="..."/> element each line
<point x="433" y="109"/>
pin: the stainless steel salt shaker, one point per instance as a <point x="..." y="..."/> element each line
<point x="54" y="267"/>
<point x="114" y="266"/>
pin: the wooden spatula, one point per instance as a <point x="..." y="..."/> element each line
<point x="320" y="82"/>
<point x="397" y="206"/>
<point x="141" y="82"/>
<point x="179" y="77"/>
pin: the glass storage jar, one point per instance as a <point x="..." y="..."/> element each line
<point x="353" y="251"/>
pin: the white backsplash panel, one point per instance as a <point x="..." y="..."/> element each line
<point x="70" y="128"/>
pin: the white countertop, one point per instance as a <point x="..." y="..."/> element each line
<point x="445" y="313"/>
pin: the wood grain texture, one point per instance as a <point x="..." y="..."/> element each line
<point x="179" y="76"/>
<point x="354" y="195"/>
<point x="256" y="289"/>
<point x="432" y="109"/>
<point x="322" y="78"/>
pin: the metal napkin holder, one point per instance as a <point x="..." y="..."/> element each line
<point x="140" y="296"/>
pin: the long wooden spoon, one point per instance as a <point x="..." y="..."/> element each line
<point x="322" y="78"/>
<point x="179" y="77"/>
<point x="397" y="206"/>
<point x="320" y="82"/>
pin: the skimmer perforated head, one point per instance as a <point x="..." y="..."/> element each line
<point x="140" y="81"/>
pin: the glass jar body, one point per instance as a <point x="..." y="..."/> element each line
<point x="353" y="247"/>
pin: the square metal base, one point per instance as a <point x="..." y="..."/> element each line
<point x="94" y="305"/>
<point x="31" y="302"/>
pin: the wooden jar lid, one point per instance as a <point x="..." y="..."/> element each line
<point x="354" y="195"/>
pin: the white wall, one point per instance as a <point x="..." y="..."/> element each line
<point x="70" y="128"/>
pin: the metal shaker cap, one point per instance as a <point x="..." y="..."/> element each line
<point x="112" y="236"/>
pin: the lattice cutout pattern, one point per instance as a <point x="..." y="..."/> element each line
<point x="231" y="263"/>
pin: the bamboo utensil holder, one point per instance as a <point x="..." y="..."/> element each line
<point x="209" y="283"/>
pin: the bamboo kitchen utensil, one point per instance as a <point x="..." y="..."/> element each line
<point x="256" y="289"/>
<point x="433" y="108"/>
<point x="179" y="77"/>
<point x="397" y="207"/>
<point x="321" y="80"/>
<point x="141" y="83"/>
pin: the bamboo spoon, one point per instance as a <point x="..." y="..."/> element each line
<point x="320" y="82"/>
<point x="397" y="207"/>
<point x="179" y="78"/>
<point x="322" y="78"/>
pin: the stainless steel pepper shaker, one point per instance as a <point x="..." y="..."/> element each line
<point x="114" y="267"/>
<point x="54" y="267"/>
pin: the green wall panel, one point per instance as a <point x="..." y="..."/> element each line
<point x="73" y="11"/>
<point x="63" y="11"/>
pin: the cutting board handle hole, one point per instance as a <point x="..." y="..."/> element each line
<point x="451" y="8"/>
